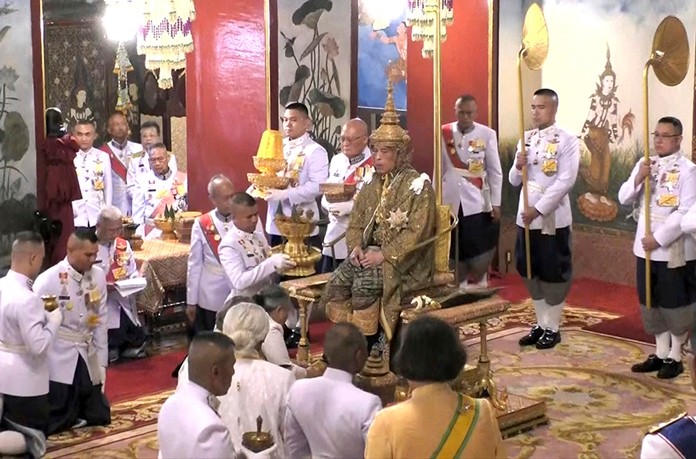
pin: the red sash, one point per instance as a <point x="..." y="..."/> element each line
<point x="212" y="236"/>
<point x="448" y="135"/>
<point x="167" y="199"/>
<point x="116" y="164"/>
<point x="117" y="270"/>
<point x="359" y="172"/>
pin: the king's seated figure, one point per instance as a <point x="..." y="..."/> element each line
<point x="393" y="212"/>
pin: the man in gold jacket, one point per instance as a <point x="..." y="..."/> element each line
<point x="392" y="213"/>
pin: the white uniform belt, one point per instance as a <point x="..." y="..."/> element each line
<point x="466" y="173"/>
<point x="13" y="348"/>
<point x="676" y="251"/>
<point x="74" y="337"/>
<point x="215" y="269"/>
<point x="536" y="187"/>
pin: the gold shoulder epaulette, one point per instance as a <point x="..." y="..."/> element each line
<point x="657" y="428"/>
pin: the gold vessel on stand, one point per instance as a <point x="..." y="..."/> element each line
<point x="183" y="224"/>
<point x="258" y="441"/>
<point x="269" y="161"/>
<point x="50" y="302"/>
<point x="376" y="379"/>
<point x="129" y="228"/>
<point x="296" y="229"/>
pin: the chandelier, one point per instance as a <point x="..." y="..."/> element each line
<point x="422" y="16"/>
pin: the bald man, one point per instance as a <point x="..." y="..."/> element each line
<point x="78" y="358"/>
<point x="188" y="426"/>
<point x="352" y="166"/>
<point x="328" y="416"/>
<point x="207" y="286"/>
<point x="26" y="333"/>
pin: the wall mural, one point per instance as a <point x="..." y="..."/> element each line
<point x="17" y="143"/>
<point x="314" y="43"/>
<point x="595" y="64"/>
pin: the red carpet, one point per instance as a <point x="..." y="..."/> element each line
<point x="591" y="294"/>
<point x="130" y="380"/>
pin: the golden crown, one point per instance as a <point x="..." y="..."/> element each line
<point x="389" y="132"/>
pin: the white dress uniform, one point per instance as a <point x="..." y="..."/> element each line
<point x="328" y="417"/>
<point x="206" y="282"/>
<point x="82" y="298"/>
<point x="479" y="150"/>
<point x="310" y="162"/>
<point x="258" y="388"/>
<point x="340" y="169"/>
<point x="114" y="300"/>
<point x="553" y="158"/>
<point x="187" y="427"/>
<point x="138" y="166"/>
<point x="25" y="337"/>
<point x="125" y="155"/>
<point x="276" y="352"/>
<point x="675" y="439"/>
<point x="671" y="196"/>
<point x="149" y="193"/>
<point x="245" y="259"/>
<point x="94" y="175"/>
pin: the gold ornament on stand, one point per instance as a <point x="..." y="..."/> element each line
<point x="296" y="229"/>
<point x="669" y="59"/>
<point x="270" y="162"/>
<point x="165" y="223"/>
<point x="258" y="441"/>
<point x="376" y="378"/>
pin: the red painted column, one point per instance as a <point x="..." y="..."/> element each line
<point x="225" y="93"/>
<point x="464" y="70"/>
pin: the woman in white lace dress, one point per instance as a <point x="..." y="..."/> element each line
<point x="259" y="388"/>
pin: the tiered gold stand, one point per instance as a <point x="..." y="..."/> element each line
<point x="296" y="230"/>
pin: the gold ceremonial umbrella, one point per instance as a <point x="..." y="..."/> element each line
<point x="535" y="47"/>
<point x="669" y="59"/>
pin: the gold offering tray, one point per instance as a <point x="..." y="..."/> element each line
<point x="264" y="182"/>
<point x="338" y="192"/>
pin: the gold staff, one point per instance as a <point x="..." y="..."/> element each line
<point x="669" y="59"/>
<point x="535" y="47"/>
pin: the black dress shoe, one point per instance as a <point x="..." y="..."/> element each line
<point x="670" y="369"/>
<point x="652" y="363"/>
<point x="532" y="337"/>
<point x="294" y="339"/>
<point x="549" y="339"/>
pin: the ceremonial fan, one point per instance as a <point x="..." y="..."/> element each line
<point x="535" y="47"/>
<point x="669" y="59"/>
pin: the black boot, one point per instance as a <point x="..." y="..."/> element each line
<point x="532" y="337"/>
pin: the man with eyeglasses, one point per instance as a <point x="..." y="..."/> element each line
<point x="352" y="166"/>
<point x="672" y="180"/>
<point x="138" y="165"/>
<point x="207" y="286"/>
<point x="472" y="183"/>
<point x="160" y="188"/>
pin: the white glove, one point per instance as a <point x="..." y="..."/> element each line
<point x="55" y="316"/>
<point x="102" y="377"/>
<point x="340" y="208"/>
<point x="281" y="262"/>
<point x="276" y="195"/>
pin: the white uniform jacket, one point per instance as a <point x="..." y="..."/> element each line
<point x="340" y="169"/>
<point x="206" y="282"/>
<point x="94" y="175"/>
<point x="328" y="417"/>
<point x="553" y="158"/>
<point x="276" y="352"/>
<point x="149" y="193"/>
<point x="310" y="162"/>
<point x="245" y="259"/>
<point x="675" y="439"/>
<point x="140" y="165"/>
<point x="188" y="428"/>
<point x="672" y="193"/>
<point x="25" y="337"/>
<point x="126" y="269"/>
<point x="124" y="154"/>
<point x="82" y="298"/>
<point x="479" y="150"/>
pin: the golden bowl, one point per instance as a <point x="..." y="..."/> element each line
<point x="164" y="225"/>
<point x="293" y="229"/>
<point x="269" y="165"/>
<point x="257" y="441"/>
<point x="271" y="182"/>
<point x="338" y="192"/>
<point x="50" y="302"/>
<point x="136" y="243"/>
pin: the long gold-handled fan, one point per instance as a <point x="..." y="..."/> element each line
<point x="535" y="47"/>
<point x="669" y="59"/>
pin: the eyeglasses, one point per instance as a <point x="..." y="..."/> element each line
<point x="657" y="135"/>
<point x="350" y="139"/>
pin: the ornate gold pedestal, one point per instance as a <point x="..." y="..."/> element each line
<point x="296" y="229"/>
<point x="376" y="379"/>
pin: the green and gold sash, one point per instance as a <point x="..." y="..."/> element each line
<point x="458" y="432"/>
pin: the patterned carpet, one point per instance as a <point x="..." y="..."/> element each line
<point x="596" y="406"/>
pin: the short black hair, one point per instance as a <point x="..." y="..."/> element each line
<point x="219" y="340"/>
<point x="159" y="145"/>
<point x="464" y="98"/>
<point x="117" y="113"/>
<point x="550" y="93"/>
<point x="86" y="234"/>
<point x="272" y="297"/>
<point x="150" y="124"/>
<point x="86" y="123"/>
<point x="674" y="122"/>
<point x="299" y="106"/>
<point x="244" y="199"/>
<point x="28" y="236"/>
<point x="430" y="351"/>
<point x="341" y="342"/>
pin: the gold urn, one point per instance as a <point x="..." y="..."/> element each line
<point x="257" y="441"/>
<point x="376" y="379"/>
<point x="50" y="302"/>
<point x="269" y="161"/>
<point x="166" y="225"/>
<point x="183" y="224"/>
<point x="296" y="229"/>
<point x="129" y="228"/>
